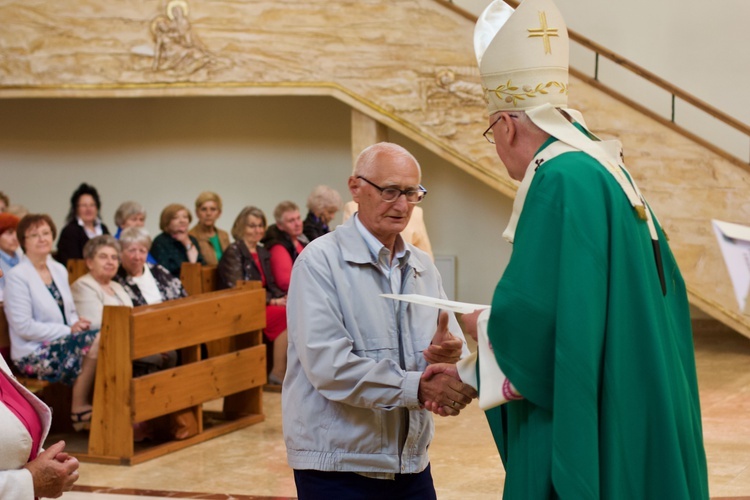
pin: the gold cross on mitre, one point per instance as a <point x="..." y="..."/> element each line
<point x="543" y="32"/>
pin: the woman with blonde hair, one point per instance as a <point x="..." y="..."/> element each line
<point x="247" y="259"/>
<point x="212" y="241"/>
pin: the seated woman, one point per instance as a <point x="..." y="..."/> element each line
<point x="26" y="469"/>
<point x="81" y="224"/>
<point x="131" y="214"/>
<point x="284" y="241"/>
<point x="145" y="283"/>
<point x="174" y="245"/>
<point x="246" y="260"/>
<point x="92" y="291"/>
<point x="212" y="241"/>
<point x="48" y="340"/>
<point x="322" y="205"/>
<point x="10" y="253"/>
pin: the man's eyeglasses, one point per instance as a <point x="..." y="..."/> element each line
<point x="488" y="133"/>
<point x="391" y="194"/>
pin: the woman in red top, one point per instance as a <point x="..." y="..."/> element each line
<point x="247" y="259"/>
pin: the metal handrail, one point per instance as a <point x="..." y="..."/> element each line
<point x="674" y="91"/>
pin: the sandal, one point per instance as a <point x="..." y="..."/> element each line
<point x="81" y="421"/>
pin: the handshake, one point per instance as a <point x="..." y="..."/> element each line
<point x="442" y="392"/>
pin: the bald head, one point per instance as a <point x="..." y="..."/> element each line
<point x="379" y="167"/>
<point x="382" y="152"/>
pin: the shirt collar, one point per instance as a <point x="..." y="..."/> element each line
<point x="12" y="260"/>
<point x="97" y="222"/>
<point x="376" y="247"/>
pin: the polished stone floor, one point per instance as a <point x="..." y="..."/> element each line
<point x="251" y="463"/>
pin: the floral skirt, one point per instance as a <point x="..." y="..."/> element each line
<point x="59" y="360"/>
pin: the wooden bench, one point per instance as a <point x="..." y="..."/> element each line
<point x="197" y="278"/>
<point x="238" y="376"/>
<point x="76" y="268"/>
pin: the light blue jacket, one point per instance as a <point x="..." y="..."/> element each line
<point x="33" y="314"/>
<point x="355" y="359"/>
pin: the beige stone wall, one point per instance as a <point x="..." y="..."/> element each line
<point x="407" y="63"/>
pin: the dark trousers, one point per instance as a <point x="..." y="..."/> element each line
<point x="324" y="485"/>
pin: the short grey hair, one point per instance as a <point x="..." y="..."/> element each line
<point x="282" y="208"/>
<point x="367" y="160"/>
<point x="92" y="247"/>
<point x="126" y="210"/>
<point x="135" y="236"/>
<point x="323" y="197"/>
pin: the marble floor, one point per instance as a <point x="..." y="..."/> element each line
<point x="251" y="464"/>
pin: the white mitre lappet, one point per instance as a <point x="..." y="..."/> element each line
<point x="523" y="62"/>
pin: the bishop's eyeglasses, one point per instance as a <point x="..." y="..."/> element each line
<point x="391" y="194"/>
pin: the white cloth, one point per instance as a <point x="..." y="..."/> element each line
<point x="147" y="285"/>
<point x="495" y="388"/>
<point x="16" y="482"/>
<point x="33" y="314"/>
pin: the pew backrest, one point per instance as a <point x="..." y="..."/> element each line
<point x="236" y="315"/>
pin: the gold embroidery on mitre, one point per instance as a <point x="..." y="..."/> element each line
<point x="544" y="32"/>
<point x="511" y="94"/>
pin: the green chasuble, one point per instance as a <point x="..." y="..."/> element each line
<point x="604" y="359"/>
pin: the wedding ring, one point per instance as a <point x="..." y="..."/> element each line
<point x="453" y="404"/>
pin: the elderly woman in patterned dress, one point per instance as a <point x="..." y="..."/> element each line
<point x="145" y="283"/>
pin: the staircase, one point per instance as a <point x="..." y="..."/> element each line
<point x="408" y="64"/>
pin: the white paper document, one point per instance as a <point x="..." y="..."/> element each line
<point x="448" y="305"/>
<point x="734" y="241"/>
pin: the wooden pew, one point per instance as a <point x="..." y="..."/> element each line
<point x="197" y="278"/>
<point x="238" y="376"/>
<point x="76" y="268"/>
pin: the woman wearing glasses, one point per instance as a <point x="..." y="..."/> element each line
<point x="247" y="259"/>
<point x="47" y="338"/>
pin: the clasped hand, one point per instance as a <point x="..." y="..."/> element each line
<point x="53" y="471"/>
<point x="442" y="392"/>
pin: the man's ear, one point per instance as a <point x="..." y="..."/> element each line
<point x="510" y="128"/>
<point x="354" y="186"/>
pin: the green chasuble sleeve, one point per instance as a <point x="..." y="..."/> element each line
<point x="603" y="357"/>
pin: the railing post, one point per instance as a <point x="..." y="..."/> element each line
<point x="673" y="103"/>
<point x="596" y="66"/>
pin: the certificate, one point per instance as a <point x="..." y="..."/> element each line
<point x="445" y="304"/>
<point x="734" y="241"/>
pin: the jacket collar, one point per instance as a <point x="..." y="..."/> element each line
<point x="354" y="249"/>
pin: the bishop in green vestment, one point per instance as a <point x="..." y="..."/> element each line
<point x="604" y="358"/>
<point x="590" y="321"/>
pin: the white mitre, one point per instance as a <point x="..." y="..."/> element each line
<point x="522" y="55"/>
<point x="523" y="62"/>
